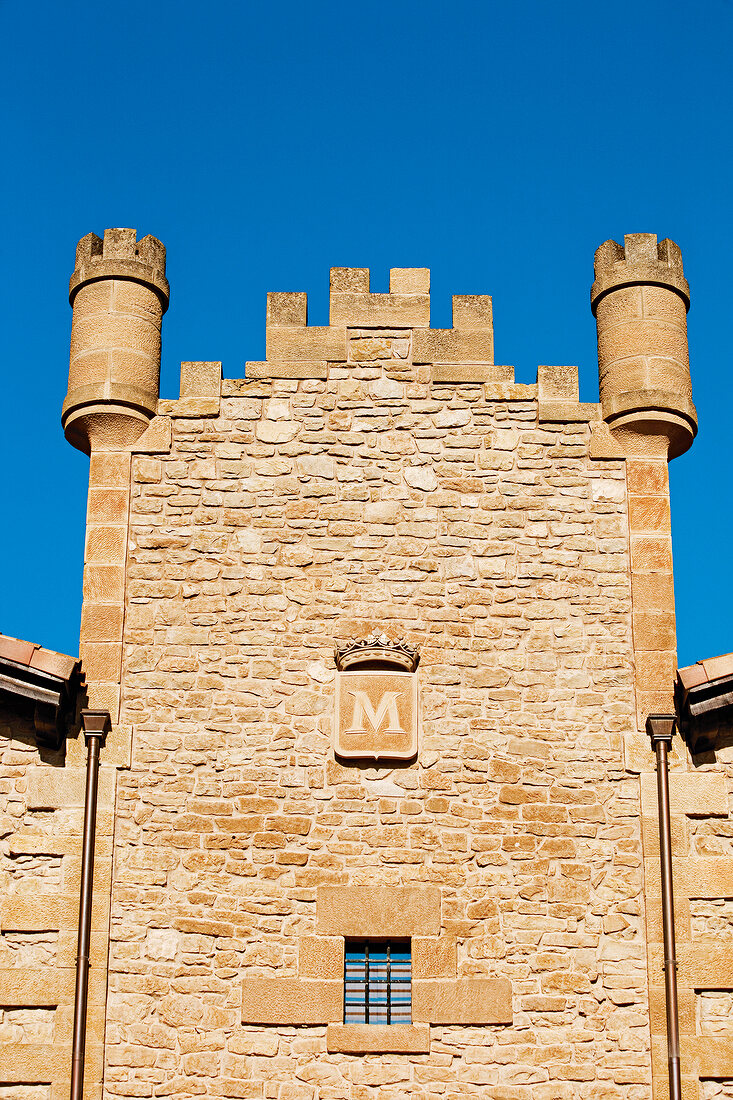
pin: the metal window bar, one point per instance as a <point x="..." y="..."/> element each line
<point x="377" y="982"/>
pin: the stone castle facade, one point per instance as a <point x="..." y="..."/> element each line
<point x="378" y="630"/>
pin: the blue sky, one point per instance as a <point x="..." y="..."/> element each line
<point x="497" y="144"/>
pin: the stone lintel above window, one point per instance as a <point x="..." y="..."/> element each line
<point x="378" y="911"/>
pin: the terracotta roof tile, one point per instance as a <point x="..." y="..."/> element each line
<point x="13" y="649"/>
<point x="706" y="672"/>
<point x="32" y="655"/>
<point x="55" y="664"/>
<point x="692" y="676"/>
<point x="718" y="667"/>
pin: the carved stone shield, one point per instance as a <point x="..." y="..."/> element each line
<point x="376" y="715"/>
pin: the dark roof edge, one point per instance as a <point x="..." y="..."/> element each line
<point x="41" y="677"/>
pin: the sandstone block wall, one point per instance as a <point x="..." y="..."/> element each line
<point x="378" y="488"/>
<point x="372" y="474"/>
<point x="41" y="815"/>
<point x="702" y="849"/>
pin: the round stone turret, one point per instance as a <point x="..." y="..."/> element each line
<point x="119" y="294"/>
<point x="640" y="299"/>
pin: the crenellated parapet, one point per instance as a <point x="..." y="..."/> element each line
<point x="367" y="327"/>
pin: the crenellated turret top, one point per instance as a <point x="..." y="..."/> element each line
<point x="119" y="255"/>
<point x="642" y="260"/>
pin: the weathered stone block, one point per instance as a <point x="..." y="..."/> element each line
<point x="389" y="310"/>
<point x="291" y="1001"/>
<point x="378" y="1039"/>
<point x="433" y="957"/>
<point x="409" y="280"/>
<point x="472" y="311"/>
<point x="300" y="368"/>
<point x="449" y="345"/>
<point x="376" y="911"/>
<point x="51" y="789"/>
<point x="286" y="343"/>
<point x="321" y="957"/>
<point x="700" y="794"/>
<point x="287" y="308"/>
<point x="470" y="373"/>
<point x="558" y="384"/>
<point x="465" y="1001"/>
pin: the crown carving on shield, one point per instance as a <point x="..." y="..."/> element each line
<point x="377" y="647"/>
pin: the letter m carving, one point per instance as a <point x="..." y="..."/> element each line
<point x="375" y="716"/>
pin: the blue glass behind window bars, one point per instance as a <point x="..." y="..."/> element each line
<point x="377" y="982"/>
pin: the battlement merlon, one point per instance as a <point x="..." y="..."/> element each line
<point x="406" y="305"/>
<point x="642" y="260"/>
<point x="119" y="255"/>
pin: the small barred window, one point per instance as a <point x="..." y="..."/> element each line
<point x="377" y="982"/>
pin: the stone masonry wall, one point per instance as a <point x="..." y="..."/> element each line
<point x="374" y="474"/>
<point x="310" y="511"/>
<point x="41" y="814"/>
